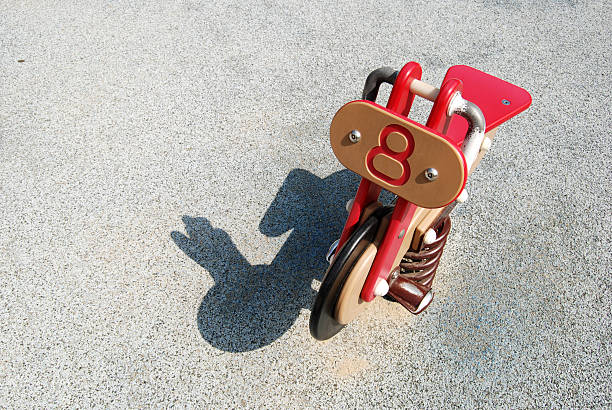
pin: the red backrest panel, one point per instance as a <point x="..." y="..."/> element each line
<point x="498" y="99"/>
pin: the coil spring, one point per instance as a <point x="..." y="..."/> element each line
<point x="421" y="266"/>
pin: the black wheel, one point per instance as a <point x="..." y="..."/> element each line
<point x="323" y="325"/>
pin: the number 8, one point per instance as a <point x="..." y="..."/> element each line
<point x="389" y="160"/>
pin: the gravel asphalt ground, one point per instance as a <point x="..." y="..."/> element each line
<point x="168" y="192"/>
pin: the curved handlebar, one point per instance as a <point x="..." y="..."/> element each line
<point x="375" y="79"/>
<point x="476" y="130"/>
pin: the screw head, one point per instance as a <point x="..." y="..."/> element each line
<point x="354" y="136"/>
<point x="505" y="102"/>
<point x="431" y="174"/>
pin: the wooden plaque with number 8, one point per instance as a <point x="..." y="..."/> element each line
<point x="395" y="152"/>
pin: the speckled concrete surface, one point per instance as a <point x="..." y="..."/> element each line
<point x="167" y="193"/>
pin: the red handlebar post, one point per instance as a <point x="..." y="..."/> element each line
<point x="400" y="101"/>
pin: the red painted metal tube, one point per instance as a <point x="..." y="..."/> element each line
<point x="404" y="210"/>
<point x="438" y="117"/>
<point x="400" y="219"/>
<point x="400" y="101"/>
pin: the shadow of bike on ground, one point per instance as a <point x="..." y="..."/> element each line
<point x="251" y="306"/>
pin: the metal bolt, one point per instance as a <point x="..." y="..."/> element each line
<point x="349" y="205"/>
<point x="505" y="102"/>
<point x="329" y="257"/>
<point x="402" y="233"/>
<point x="354" y="136"/>
<point x="431" y="174"/>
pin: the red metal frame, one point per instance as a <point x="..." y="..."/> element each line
<point x="400" y="101"/>
<point x="438" y="117"/>
<point x="453" y="129"/>
<point x="404" y="210"/>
